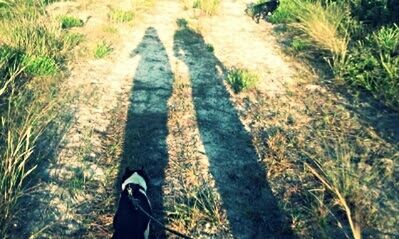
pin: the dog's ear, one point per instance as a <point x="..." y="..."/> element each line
<point x="143" y="174"/>
<point x="127" y="174"/>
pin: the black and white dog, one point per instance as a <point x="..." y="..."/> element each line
<point x="262" y="9"/>
<point x="129" y="221"/>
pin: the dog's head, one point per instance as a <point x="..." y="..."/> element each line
<point x="135" y="176"/>
<point x="129" y="222"/>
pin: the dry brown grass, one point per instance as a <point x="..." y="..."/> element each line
<point x="194" y="207"/>
<point x="322" y="163"/>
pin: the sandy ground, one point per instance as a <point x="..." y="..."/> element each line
<point x="139" y="75"/>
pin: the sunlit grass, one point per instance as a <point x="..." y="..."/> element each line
<point x="32" y="49"/>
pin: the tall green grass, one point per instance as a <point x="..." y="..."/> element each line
<point x="32" y="51"/>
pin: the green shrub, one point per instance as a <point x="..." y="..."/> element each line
<point x="241" y="79"/>
<point x="102" y="49"/>
<point x="374" y="64"/>
<point x="69" y="22"/>
<point x="117" y="15"/>
<point x="40" y="66"/>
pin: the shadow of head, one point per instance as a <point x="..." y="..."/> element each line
<point x="150" y="37"/>
<point x="182" y="23"/>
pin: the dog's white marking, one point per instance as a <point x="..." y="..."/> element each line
<point x="147" y="231"/>
<point x="136" y="179"/>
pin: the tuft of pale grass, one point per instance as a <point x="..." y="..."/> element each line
<point x="120" y="16"/>
<point x="37" y="36"/>
<point x="339" y="175"/>
<point x="323" y="24"/>
<point x="22" y="123"/>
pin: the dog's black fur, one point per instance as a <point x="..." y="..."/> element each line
<point x="262" y="9"/>
<point x="130" y="222"/>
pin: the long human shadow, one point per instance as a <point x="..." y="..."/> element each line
<point x="251" y="208"/>
<point x="146" y="127"/>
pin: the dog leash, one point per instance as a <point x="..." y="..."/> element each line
<point x="136" y="204"/>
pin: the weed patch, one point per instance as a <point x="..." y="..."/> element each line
<point x="70" y="22"/>
<point x="241" y="79"/>
<point x="102" y="50"/>
<point x="373" y="65"/>
<point x="40" y="66"/>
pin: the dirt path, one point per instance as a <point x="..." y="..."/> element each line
<point x="168" y="86"/>
<point x="238" y="41"/>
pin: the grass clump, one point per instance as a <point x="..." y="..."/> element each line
<point x="120" y="16"/>
<point x="70" y="21"/>
<point x="322" y="25"/>
<point x="73" y="39"/>
<point x="241" y="79"/>
<point x="200" y="204"/>
<point x="210" y="47"/>
<point x="40" y="66"/>
<point x="102" y="50"/>
<point x="28" y="106"/>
